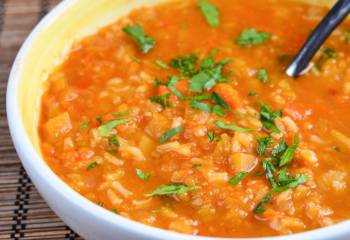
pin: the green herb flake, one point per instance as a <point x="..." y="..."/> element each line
<point x="267" y="117"/>
<point x="218" y="100"/>
<point x="144" y="42"/>
<point x="92" y="166"/>
<point x="115" y="211"/>
<point x="288" y="155"/>
<point x="263" y="143"/>
<point x="260" y="208"/>
<point x="99" y="120"/>
<point x="84" y="125"/>
<point x="252" y="93"/>
<point x="278" y="150"/>
<point x="142" y="175"/>
<point x="105" y="129"/>
<point x="135" y="59"/>
<point x="173" y="80"/>
<point x="120" y="114"/>
<point x="239" y="177"/>
<point x="185" y="64"/>
<point x="170" y="189"/>
<point x="200" y="106"/>
<point x="162" y="100"/>
<point x="337" y="149"/>
<point x="251" y="36"/>
<point x="231" y="127"/>
<point x="196" y="165"/>
<point x="113" y="142"/>
<point x="262" y="75"/>
<point x="210" y="12"/>
<point x="211" y="136"/>
<point x="209" y="75"/>
<point x="169" y="134"/>
<point x="326" y="54"/>
<point x="161" y="64"/>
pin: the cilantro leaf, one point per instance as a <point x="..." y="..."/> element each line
<point x="279" y="149"/>
<point x="185" y="64"/>
<point x="251" y="36"/>
<point x="211" y="136"/>
<point x="263" y="143"/>
<point x="208" y="108"/>
<point x="210" y="12"/>
<point x="105" y="129"/>
<point x="262" y="75"/>
<point x="92" y="166"/>
<point x="288" y="155"/>
<point x="260" y="208"/>
<point x="161" y="64"/>
<point x="239" y="177"/>
<point x="231" y="127"/>
<point x="267" y="117"/>
<point x="113" y="142"/>
<point x="162" y="100"/>
<point x="169" y="134"/>
<point x="142" y="175"/>
<point x="208" y="76"/>
<point x="171" y="189"/>
<point x="218" y="100"/>
<point x="84" y="125"/>
<point x="137" y="34"/>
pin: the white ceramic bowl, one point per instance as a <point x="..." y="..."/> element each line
<point x="43" y="49"/>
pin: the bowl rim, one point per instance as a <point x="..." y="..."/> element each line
<point x="23" y="144"/>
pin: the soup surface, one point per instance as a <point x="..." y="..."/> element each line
<point x="180" y="116"/>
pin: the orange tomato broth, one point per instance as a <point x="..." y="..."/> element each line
<point x="106" y="73"/>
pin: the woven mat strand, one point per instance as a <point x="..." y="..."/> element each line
<point x="23" y="213"/>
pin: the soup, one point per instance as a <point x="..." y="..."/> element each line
<point x="180" y="116"/>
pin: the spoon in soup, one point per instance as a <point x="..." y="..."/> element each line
<point x="335" y="16"/>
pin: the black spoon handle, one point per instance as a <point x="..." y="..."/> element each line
<point x="335" y="16"/>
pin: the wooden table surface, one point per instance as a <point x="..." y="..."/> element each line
<point x="23" y="213"/>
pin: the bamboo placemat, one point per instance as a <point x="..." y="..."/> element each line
<point x="23" y="213"/>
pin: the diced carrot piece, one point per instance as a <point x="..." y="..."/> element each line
<point x="228" y="94"/>
<point x="182" y="86"/>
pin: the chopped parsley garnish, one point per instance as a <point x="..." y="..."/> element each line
<point x="262" y="75"/>
<point x="99" y="120"/>
<point x="251" y="36"/>
<point x="185" y="64"/>
<point x="267" y="117"/>
<point x="119" y="114"/>
<point x="284" y="180"/>
<point x="196" y="165"/>
<point x="210" y="12"/>
<point x="173" y="80"/>
<point x="218" y="100"/>
<point x="260" y="208"/>
<point x="92" y="166"/>
<point x="105" y="129"/>
<point x="113" y="142"/>
<point x="144" y="42"/>
<point x="84" y="125"/>
<point x="169" y="134"/>
<point x="327" y="53"/>
<point x="161" y="64"/>
<point x="288" y="155"/>
<point x="252" y="93"/>
<point x="135" y="59"/>
<point x="239" y="177"/>
<point x="263" y="144"/>
<point x="211" y="136"/>
<point x="209" y="75"/>
<point x="278" y="150"/>
<point x="115" y="211"/>
<point x="337" y="149"/>
<point x="231" y="127"/>
<point x="142" y="175"/>
<point x="208" y="108"/>
<point x="171" y="189"/>
<point x="162" y="100"/>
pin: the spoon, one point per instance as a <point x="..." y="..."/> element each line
<point x="335" y="16"/>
